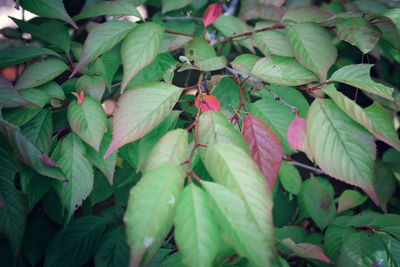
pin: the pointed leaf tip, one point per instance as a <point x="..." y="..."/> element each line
<point x="212" y="12"/>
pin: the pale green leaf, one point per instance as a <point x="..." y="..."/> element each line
<point x="101" y="39"/>
<point x="51" y="31"/>
<point x="374" y="118"/>
<point x="13" y="211"/>
<point x="196" y="231"/>
<point x="244" y="63"/>
<point x="236" y="227"/>
<point x="230" y="25"/>
<point x="290" y="178"/>
<point x="214" y="128"/>
<point x="232" y="167"/>
<point x="168" y="5"/>
<point x="340" y="146"/>
<point x="39" y="130"/>
<point x="282" y="71"/>
<point x="171" y="148"/>
<point x="359" y="32"/>
<point x="70" y="155"/>
<point x="114" y="8"/>
<point x="93" y="86"/>
<point x="350" y="199"/>
<point x="204" y="55"/>
<point x="312" y="46"/>
<point x="316" y="196"/>
<point x="28" y="153"/>
<point x="306" y="250"/>
<point x="75" y="244"/>
<point x="306" y="14"/>
<point x="21" y="115"/>
<point x="87" y="120"/>
<point x="273" y="42"/>
<point x="113" y="250"/>
<point x="10" y="97"/>
<point x="151" y="205"/>
<point x="140" y="110"/>
<point x="139" y="49"/>
<point x="41" y="72"/>
<point x="16" y="55"/>
<point x="277" y="116"/>
<point x="48" y="8"/>
<point x="357" y="75"/>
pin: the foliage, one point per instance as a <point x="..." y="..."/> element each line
<point x="205" y="133"/>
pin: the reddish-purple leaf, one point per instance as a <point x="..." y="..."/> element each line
<point x="213" y="11"/>
<point x="9" y="96"/>
<point x="297" y="134"/>
<point x="46" y="160"/>
<point x="266" y="149"/>
<point x="306" y="250"/>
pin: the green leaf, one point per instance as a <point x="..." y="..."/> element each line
<point x="48" y="8"/>
<point x="148" y="220"/>
<point x="282" y="71"/>
<point x="10" y="97"/>
<point x="277" y="116"/>
<point x="312" y="46"/>
<point x="51" y="31"/>
<point x="168" y="5"/>
<point x="102" y="189"/>
<point x="362" y="249"/>
<point x="374" y="118"/>
<point x="306" y="14"/>
<point x="140" y="110"/>
<point x="334" y="237"/>
<point x="359" y="32"/>
<point x="139" y="49"/>
<point x="204" y="55"/>
<point x="357" y="75"/>
<point x="39" y="73"/>
<point x="101" y="39"/>
<point x="290" y="178"/>
<point x="54" y="91"/>
<point x="384" y="184"/>
<point x="70" y="155"/>
<point x="13" y="211"/>
<point x="21" y="115"/>
<point x="115" y="8"/>
<point x="350" y="199"/>
<point x="230" y="25"/>
<point x="171" y="148"/>
<point x="34" y="186"/>
<point x="28" y="153"/>
<point x="227" y="93"/>
<point x="232" y="167"/>
<point x="108" y="64"/>
<point x="196" y="231"/>
<point x="235" y="225"/>
<point x="93" y="86"/>
<point x="106" y="166"/>
<point x="244" y="63"/>
<point x="341" y="147"/>
<point x="16" y="55"/>
<point x="39" y="130"/>
<point x="75" y="244"/>
<point x="392" y="246"/>
<point x="113" y="250"/>
<point x="306" y="250"/>
<point x="214" y="128"/>
<point x="317" y="197"/>
<point x="87" y="120"/>
<point x="273" y="42"/>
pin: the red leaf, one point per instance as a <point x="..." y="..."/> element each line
<point x="213" y="11"/>
<point x="46" y="160"/>
<point x="297" y="136"/>
<point x="210" y="102"/>
<point x="266" y="149"/>
<point x="80" y="97"/>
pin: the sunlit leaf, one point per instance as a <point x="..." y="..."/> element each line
<point x="139" y="48"/>
<point x="41" y="72"/>
<point x="357" y="75"/>
<point x="312" y="46"/>
<point x="373" y="118"/>
<point x="340" y="146"/>
<point x="196" y="231"/>
<point x="140" y="110"/>
<point x="265" y="147"/>
<point x="149" y="219"/>
<point x="87" y="120"/>
<point x="70" y="155"/>
<point x="282" y="71"/>
<point x="235" y="225"/>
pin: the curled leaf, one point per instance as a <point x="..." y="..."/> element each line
<point x="213" y="11"/>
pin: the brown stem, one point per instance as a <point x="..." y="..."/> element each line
<point x="250" y="33"/>
<point x="181" y="33"/>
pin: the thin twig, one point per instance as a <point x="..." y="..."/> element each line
<point x="304" y="166"/>
<point x="181" y="33"/>
<point x="276" y="97"/>
<point x="250" y="33"/>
